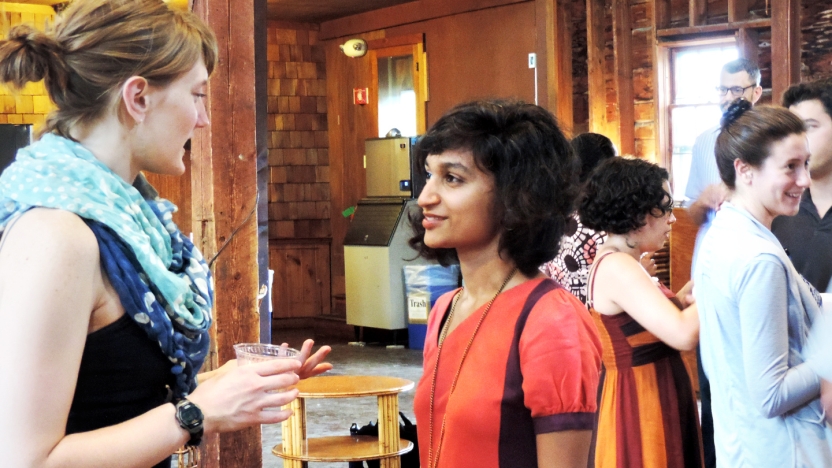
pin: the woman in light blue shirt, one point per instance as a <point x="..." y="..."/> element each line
<point x="756" y="311"/>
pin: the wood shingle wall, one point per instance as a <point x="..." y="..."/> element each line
<point x="31" y="104"/>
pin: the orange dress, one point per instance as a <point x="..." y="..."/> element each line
<point x="647" y="412"/>
<point x="532" y="369"/>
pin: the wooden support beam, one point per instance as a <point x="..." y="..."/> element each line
<point x="224" y="168"/>
<point x="623" y="53"/>
<point x="545" y="16"/>
<point x="697" y="12"/>
<point x="748" y="43"/>
<point x="737" y="10"/>
<point x="785" y="46"/>
<point x="563" y="71"/>
<point x="554" y="59"/>
<point x="661" y="16"/>
<point x="665" y="33"/>
<point x="596" y="86"/>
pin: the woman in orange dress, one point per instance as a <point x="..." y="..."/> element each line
<point x="647" y="413"/>
<point x="511" y="360"/>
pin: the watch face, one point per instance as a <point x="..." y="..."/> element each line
<point x="190" y="415"/>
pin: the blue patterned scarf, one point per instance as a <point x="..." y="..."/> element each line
<point x="162" y="281"/>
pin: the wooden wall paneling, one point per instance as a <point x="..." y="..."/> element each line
<point x="785" y="46"/>
<point x="176" y="189"/>
<point x="302" y="291"/>
<point x="748" y="43"/>
<point x="682" y="240"/>
<point x="554" y="60"/>
<point x="406" y="39"/>
<point x="225" y="186"/>
<point x="596" y="86"/>
<point x="407" y="13"/>
<point x="737" y="10"/>
<point x="470" y="57"/>
<point x="697" y="11"/>
<point x="622" y="40"/>
<point x="349" y="125"/>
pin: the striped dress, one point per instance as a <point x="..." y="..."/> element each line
<point x="647" y="413"/>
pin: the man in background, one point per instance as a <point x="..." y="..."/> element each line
<point x="739" y="79"/>
<point x="807" y="236"/>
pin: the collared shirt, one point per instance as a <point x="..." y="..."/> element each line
<point x="808" y="240"/>
<point x="703" y="169"/>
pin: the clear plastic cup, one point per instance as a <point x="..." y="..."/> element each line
<point x="250" y="353"/>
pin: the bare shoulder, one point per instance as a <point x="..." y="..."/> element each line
<point x="57" y="236"/>
<point x="616" y="263"/>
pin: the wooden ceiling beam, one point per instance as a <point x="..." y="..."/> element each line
<point x="727" y="28"/>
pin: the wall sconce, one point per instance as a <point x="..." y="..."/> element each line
<point x="354" y="48"/>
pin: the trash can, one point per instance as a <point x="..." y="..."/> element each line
<point x="423" y="285"/>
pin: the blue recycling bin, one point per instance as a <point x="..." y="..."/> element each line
<point x="423" y="285"/>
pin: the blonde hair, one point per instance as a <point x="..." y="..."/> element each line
<point x="94" y="46"/>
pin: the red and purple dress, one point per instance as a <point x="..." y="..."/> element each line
<point x="532" y="369"/>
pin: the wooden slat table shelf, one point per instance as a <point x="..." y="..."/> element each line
<point x="297" y="450"/>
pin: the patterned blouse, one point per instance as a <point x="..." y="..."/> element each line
<point x="570" y="267"/>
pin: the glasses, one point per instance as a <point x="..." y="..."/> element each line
<point x="735" y="90"/>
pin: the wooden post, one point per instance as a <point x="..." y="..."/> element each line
<point x="563" y="59"/>
<point x="785" y="46"/>
<point x="623" y="53"/>
<point x="737" y="10"/>
<point x="748" y="42"/>
<point x="224" y="168"/>
<point x="545" y="49"/>
<point x="661" y="14"/>
<point x="388" y="429"/>
<point x="554" y="60"/>
<point x="697" y="12"/>
<point x="596" y="87"/>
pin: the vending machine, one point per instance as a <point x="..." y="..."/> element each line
<point x="376" y="248"/>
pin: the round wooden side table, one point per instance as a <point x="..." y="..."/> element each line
<point x="297" y="450"/>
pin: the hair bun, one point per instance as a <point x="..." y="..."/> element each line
<point x="734" y="111"/>
<point x="30" y="55"/>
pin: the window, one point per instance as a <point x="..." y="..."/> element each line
<point x="692" y="103"/>
<point x="400" y="89"/>
<point x="397" y="98"/>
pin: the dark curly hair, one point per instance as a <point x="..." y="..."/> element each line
<point x="820" y="90"/>
<point x="535" y="175"/>
<point x="621" y="192"/>
<point x="749" y="134"/>
<point x="591" y="149"/>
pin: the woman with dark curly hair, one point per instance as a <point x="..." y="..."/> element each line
<point x="762" y="341"/>
<point x="511" y="360"/>
<point x="647" y="413"/>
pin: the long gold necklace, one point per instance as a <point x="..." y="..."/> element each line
<point x="431" y="461"/>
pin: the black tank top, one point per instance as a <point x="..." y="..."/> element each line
<point x="123" y="374"/>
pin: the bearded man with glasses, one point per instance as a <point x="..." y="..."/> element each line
<point x="739" y="79"/>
